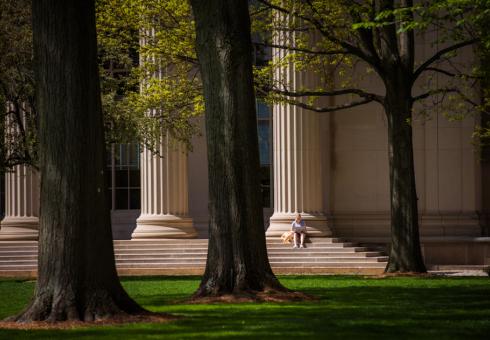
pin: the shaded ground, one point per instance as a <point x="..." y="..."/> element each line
<point x="348" y="307"/>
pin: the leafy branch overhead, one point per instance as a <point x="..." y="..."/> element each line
<point x="148" y="65"/>
<point x="344" y="42"/>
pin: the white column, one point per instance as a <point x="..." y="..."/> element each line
<point x="297" y="156"/>
<point x="21" y="221"/>
<point x="164" y="194"/>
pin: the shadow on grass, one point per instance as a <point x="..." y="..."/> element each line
<point x="348" y="307"/>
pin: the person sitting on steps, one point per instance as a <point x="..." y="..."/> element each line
<point x="299" y="228"/>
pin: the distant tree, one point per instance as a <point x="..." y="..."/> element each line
<point x="77" y="278"/>
<point x="237" y="259"/>
<point x="344" y="41"/>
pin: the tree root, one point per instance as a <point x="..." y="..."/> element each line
<point x="246" y="296"/>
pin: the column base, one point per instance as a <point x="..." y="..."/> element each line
<point x="316" y="225"/>
<point x="13" y="228"/>
<point x="163" y="226"/>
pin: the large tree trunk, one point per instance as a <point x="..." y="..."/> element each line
<point x="77" y="278"/>
<point x="237" y="256"/>
<point x="405" y="253"/>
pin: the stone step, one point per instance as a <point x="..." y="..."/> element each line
<point x="308" y="240"/>
<point x="205" y="241"/>
<point x="271" y="254"/>
<point x="319" y="249"/>
<point x="170" y="260"/>
<point x="161" y="246"/>
<point x="275" y="251"/>
<point x="7" y="255"/>
<point x="12" y="247"/>
<point x="315" y="245"/>
<point x="315" y="252"/>
<point x="17" y="252"/>
<point x="31" y="273"/>
<point x="270" y="250"/>
<point x="290" y="265"/>
<point x="328" y="265"/>
<point x="160" y="250"/>
<point x="17" y="243"/>
<point x="193" y="261"/>
<point x="185" y="257"/>
<point x="313" y="260"/>
<point x="160" y="241"/>
<point x="18" y="262"/>
<point x="17" y="257"/>
<point x="182" y="241"/>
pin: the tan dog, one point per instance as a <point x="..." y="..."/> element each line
<point x="287" y="237"/>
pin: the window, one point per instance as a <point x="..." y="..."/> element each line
<point x="123" y="171"/>
<point x="264" y="129"/>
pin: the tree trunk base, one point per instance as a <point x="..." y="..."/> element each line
<point x="413" y="268"/>
<point x="98" y="307"/>
<point x="271" y="291"/>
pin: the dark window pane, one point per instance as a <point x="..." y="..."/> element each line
<point x="124" y="154"/>
<point x="109" y="198"/>
<point x="134" y="178"/>
<point x="266" y="196"/>
<point x="134" y="155"/>
<point x="134" y="199"/>
<point x="108" y="177"/>
<point x="263" y="131"/>
<point x="121" y="199"/>
<point x="109" y="156"/>
<point x="263" y="110"/>
<point x="265" y="181"/>
<point x="121" y="178"/>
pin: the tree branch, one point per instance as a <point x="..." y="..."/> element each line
<point x="330" y="108"/>
<point x="439" y="54"/>
<point x="304" y="50"/>
<point x="433" y="93"/>
<point x="360" y="93"/>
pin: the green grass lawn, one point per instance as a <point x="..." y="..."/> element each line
<point x="349" y="307"/>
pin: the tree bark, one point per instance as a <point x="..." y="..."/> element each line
<point x="77" y="278"/>
<point x="405" y="253"/>
<point x="237" y="259"/>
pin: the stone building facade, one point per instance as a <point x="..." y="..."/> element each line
<point x="331" y="167"/>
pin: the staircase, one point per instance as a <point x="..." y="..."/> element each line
<point x="188" y="257"/>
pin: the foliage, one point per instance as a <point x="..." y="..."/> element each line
<point x="19" y="143"/>
<point x="159" y="76"/>
<point x="348" y="307"/>
<point x="150" y="80"/>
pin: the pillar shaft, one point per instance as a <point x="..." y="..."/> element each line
<point x="297" y="156"/>
<point x="164" y="194"/>
<point x="21" y="221"/>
